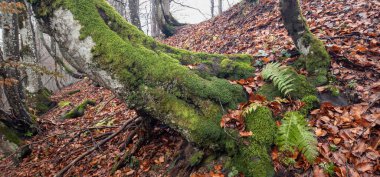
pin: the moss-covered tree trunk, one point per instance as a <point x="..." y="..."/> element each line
<point x="315" y="58"/>
<point x="151" y="77"/>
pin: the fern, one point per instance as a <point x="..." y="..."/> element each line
<point x="295" y="133"/>
<point x="280" y="76"/>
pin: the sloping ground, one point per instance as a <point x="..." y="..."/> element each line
<point x="347" y="130"/>
<point x="348" y="136"/>
<point x="61" y="141"/>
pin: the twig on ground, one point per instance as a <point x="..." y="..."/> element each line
<point x="63" y="171"/>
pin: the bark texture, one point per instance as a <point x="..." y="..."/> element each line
<point x="165" y="21"/>
<point x="14" y="93"/>
<point x="315" y="58"/>
<point x="134" y="8"/>
<point x="151" y="78"/>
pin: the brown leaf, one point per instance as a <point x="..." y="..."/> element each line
<point x="364" y="167"/>
<point x="318" y="172"/>
<point x="245" y="133"/>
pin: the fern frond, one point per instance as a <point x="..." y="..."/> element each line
<point x="295" y="133"/>
<point x="280" y="77"/>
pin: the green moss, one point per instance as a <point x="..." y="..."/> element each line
<point x="269" y="91"/>
<point x="9" y="134"/>
<point x="311" y="102"/>
<point x="254" y="159"/>
<point x="302" y="86"/>
<point x="73" y="92"/>
<point x="196" y="158"/>
<point x="41" y="101"/>
<point x="317" y="61"/>
<point x="79" y="110"/>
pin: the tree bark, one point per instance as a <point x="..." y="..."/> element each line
<point x="121" y="7"/>
<point x="134" y="8"/>
<point x="14" y="93"/>
<point x="165" y="21"/>
<point x="315" y="58"/>
<point x="212" y="7"/>
<point x="29" y="52"/>
<point x="220" y="6"/>
<point x="152" y="79"/>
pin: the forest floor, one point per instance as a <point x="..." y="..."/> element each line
<point x="346" y="125"/>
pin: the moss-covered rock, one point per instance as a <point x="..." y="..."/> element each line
<point x="79" y="110"/>
<point x="9" y="134"/>
<point x="41" y="101"/>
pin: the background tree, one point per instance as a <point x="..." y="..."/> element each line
<point x="220" y="6"/>
<point x="163" y="19"/>
<point x="134" y="10"/>
<point x="314" y="58"/>
<point x="212" y="7"/>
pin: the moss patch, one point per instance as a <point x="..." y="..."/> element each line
<point x="79" y="110"/>
<point x="9" y="134"/>
<point x="196" y="158"/>
<point x="41" y="101"/>
<point x="254" y="159"/>
<point x="317" y="61"/>
<point x="311" y="102"/>
<point x="269" y="91"/>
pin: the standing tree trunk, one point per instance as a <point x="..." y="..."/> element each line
<point x="121" y="7"/>
<point x="150" y="77"/>
<point x="220" y="6"/>
<point x="165" y="21"/>
<point x="14" y="93"/>
<point x="212" y="8"/>
<point x="29" y="52"/>
<point x="134" y="8"/>
<point x="315" y="58"/>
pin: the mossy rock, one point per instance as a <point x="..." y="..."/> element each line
<point x="9" y="134"/>
<point x="196" y="158"/>
<point x="41" y="101"/>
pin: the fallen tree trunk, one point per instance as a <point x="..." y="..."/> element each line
<point x="151" y="77"/>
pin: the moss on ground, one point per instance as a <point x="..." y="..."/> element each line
<point x="311" y="102"/>
<point x="269" y="91"/>
<point x="79" y="110"/>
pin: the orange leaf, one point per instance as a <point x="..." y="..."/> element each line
<point x="245" y="133"/>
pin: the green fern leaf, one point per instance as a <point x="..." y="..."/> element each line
<point x="295" y="133"/>
<point x="279" y="76"/>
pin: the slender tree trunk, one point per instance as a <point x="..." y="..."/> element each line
<point x="154" y="25"/>
<point x="315" y="58"/>
<point x="212" y="8"/>
<point x="220" y="6"/>
<point x="150" y="78"/>
<point x="14" y="92"/>
<point x="134" y="9"/>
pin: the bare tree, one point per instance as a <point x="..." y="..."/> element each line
<point x="220" y="6"/>
<point x="134" y="9"/>
<point x="163" y="19"/>
<point x="212" y="8"/>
